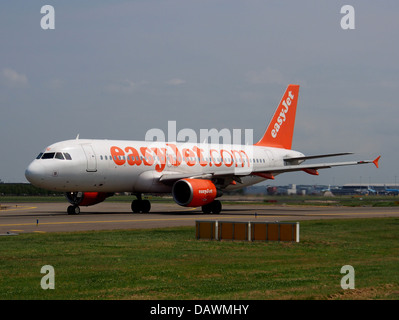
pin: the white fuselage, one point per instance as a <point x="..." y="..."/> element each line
<point x="137" y="166"/>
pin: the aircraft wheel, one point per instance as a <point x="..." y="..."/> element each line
<point x="145" y="206"/>
<point x="136" y="206"/>
<point x="216" y="207"/>
<point x="207" y="208"/>
<point x="73" y="210"/>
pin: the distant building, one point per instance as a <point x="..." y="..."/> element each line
<point x="364" y="188"/>
<point x="347" y="189"/>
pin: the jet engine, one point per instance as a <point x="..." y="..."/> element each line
<point x="194" y="192"/>
<point x="86" y="198"/>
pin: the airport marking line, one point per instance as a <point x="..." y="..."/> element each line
<point x="130" y="220"/>
<point x="17" y="208"/>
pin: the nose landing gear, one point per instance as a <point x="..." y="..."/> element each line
<point x="73" y="210"/>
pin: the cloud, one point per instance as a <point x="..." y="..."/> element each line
<point x="126" y="86"/>
<point x="14" y="79"/>
<point x="175" y="82"/>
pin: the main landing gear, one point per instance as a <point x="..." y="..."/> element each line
<point x="213" y="207"/>
<point x="144" y="206"/>
<point x="140" y="205"/>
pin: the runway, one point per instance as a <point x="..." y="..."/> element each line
<point x="18" y="218"/>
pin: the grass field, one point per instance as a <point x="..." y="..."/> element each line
<point x="171" y="264"/>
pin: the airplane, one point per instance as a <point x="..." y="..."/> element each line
<point x="196" y="174"/>
<point x="365" y="191"/>
<point x="371" y="190"/>
<point x="391" y="191"/>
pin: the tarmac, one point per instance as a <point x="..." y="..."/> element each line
<point x="16" y="218"/>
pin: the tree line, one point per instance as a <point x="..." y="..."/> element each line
<point x="24" y="189"/>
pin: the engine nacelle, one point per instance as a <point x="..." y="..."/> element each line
<point x="86" y="198"/>
<point x="194" y="192"/>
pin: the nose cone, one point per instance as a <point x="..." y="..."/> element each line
<point x="34" y="173"/>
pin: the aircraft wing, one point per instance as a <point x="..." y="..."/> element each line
<point x="172" y="177"/>
<point x="312" y="168"/>
<point x="262" y="172"/>
<point x="317" y="156"/>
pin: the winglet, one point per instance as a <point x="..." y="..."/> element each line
<point x="280" y="131"/>
<point x="376" y="161"/>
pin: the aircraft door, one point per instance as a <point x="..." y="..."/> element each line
<point x="90" y="157"/>
<point x="269" y="156"/>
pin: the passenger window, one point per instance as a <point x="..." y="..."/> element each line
<point x="67" y="156"/>
<point x="59" y="155"/>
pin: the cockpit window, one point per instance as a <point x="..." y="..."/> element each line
<point x="56" y="155"/>
<point x="48" y="155"/>
<point x="59" y="155"/>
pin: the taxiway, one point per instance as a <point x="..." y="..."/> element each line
<point x="52" y="217"/>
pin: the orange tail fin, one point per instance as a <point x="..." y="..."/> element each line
<point x="280" y="131"/>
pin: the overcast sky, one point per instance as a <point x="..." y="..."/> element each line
<point x="116" y="69"/>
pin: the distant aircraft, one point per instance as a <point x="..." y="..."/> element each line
<point x="89" y="171"/>
<point x="371" y="190"/>
<point x="391" y="191"/>
<point x="365" y="191"/>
